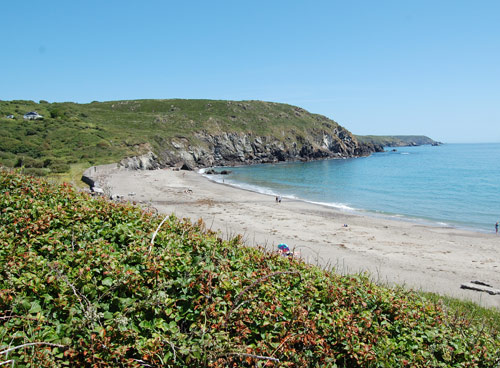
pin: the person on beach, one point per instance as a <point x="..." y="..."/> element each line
<point x="284" y="249"/>
<point x="496" y="228"/>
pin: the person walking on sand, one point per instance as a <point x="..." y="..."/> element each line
<point x="496" y="228"/>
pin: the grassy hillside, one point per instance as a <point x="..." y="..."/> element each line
<point x="82" y="135"/>
<point x="82" y="284"/>
<point x="396" y="140"/>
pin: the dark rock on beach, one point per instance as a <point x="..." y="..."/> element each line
<point x="213" y="172"/>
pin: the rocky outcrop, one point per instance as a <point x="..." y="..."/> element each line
<point x="228" y="149"/>
<point x="148" y="161"/>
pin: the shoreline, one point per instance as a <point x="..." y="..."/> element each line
<point x="393" y="251"/>
<point x="362" y="212"/>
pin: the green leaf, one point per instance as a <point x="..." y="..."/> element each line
<point x="35" y="307"/>
<point x="108" y="281"/>
<point x="108" y="315"/>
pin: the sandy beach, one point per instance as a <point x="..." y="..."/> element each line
<point x="419" y="257"/>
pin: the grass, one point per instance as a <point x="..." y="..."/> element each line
<point x="72" y="176"/>
<point x="83" y="284"/>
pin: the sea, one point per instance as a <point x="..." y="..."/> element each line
<point x="451" y="185"/>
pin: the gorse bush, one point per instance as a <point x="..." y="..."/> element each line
<point x="81" y="284"/>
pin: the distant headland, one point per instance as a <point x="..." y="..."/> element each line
<point x="398" y="140"/>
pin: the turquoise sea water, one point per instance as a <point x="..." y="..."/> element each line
<point x="456" y="185"/>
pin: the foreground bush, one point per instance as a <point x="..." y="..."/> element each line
<point x="81" y="284"/>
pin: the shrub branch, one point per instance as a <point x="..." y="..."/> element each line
<point x="31" y="344"/>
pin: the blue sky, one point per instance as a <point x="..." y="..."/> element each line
<point x="376" y="67"/>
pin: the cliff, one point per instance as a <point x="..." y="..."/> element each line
<point x="224" y="133"/>
<point x="236" y="148"/>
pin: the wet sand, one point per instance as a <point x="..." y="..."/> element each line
<point x="419" y="257"/>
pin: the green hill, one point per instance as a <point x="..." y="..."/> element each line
<point x="82" y="283"/>
<point x="397" y="140"/>
<point x="199" y="132"/>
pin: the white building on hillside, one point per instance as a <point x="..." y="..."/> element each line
<point x="32" y="115"/>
